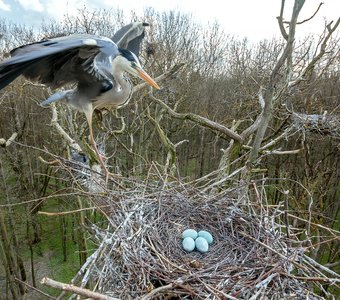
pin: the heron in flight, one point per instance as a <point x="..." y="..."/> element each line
<point x="96" y="65"/>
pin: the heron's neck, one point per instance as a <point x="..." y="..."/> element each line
<point x="122" y="83"/>
<point x="119" y="94"/>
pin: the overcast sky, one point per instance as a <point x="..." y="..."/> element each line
<point x="255" y="19"/>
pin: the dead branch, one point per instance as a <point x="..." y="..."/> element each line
<point x="171" y="149"/>
<point x="74" y="289"/>
<point x="323" y="268"/>
<point x="280" y="21"/>
<point x="157" y="290"/>
<point x="253" y="127"/>
<point x="269" y="90"/>
<point x="310" y="67"/>
<point x="6" y="143"/>
<point x="225" y="132"/>
<point x="63" y="213"/>
<point x="313" y="15"/>
<point x="54" y="121"/>
<point x="281" y="152"/>
<point x="35" y="289"/>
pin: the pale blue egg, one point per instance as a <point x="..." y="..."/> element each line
<point x="188" y="244"/>
<point x="206" y="235"/>
<point x="202" y="244"/>
<point x="189" y="233"/>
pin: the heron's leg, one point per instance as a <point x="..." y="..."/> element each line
<point x="92" y="141"/>
<point x="55" y="97"/>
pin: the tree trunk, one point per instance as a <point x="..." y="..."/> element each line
<point x="63" y="231"/>
<point x="10" y="258"/>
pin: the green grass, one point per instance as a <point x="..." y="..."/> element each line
<point x="48" y="253"/>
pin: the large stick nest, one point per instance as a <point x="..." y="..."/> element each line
<point x="322" y="124"/>
<point x="140" y="256"/>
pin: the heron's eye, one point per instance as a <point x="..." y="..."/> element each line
<point x="133" y="64"/>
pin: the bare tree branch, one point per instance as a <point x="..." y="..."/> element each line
<point x="216" y="127"/>
<point x="35" y="289"/>
<point x="280" y="20"/>
<point x="310" y="67"/>
<point x="269" y="90"/>
<point x="279" y="152"/>
<point x="6" y="143"/>
<point x="54" y="121"/>
<point x="74" y="289"/>
<point x="308" y="19"/>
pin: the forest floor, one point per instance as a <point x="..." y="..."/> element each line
<point x="48" y="260"/>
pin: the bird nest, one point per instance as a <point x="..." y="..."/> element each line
<point x="140" y="254"/>
<point x="327" y="125"/>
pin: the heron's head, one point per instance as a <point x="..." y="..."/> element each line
<point x="131" y="64"/>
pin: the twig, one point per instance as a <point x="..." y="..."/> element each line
<point x="286" y="152"/>
<point x="39" y="199"/>
<point x="323" y="242"/>
<point x="286" y="212"/>
<point x="322" y="279"/>
<point x="333" y="231"/>
<point x="157" y="290"/>
<point x="63" y="213"/>
<point x="310" y="67"/>
<point x="271" y="249"/>
<point x="219" y="182"/>
<point x="323" y="268"/>
<point x="277" y="139"/>
<point x="34" y="288"/>
<point x="76" y="290"/>
<point x="313" y="15"/>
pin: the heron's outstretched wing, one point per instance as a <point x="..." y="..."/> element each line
<point x="130" y="36"/>
<point x="84" y="59"/>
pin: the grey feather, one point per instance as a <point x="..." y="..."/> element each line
<point x="130" y="36"/>
<point x="94" y="63"/>
<point x="86" y="60"/>
<point x="55" y="62"/>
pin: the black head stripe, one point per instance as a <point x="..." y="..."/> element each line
<point x="127" y="54"/>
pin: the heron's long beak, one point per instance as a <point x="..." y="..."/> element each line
<point x="145" y="76"/>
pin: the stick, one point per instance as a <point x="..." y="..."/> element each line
<point x="76" y="290"/>
<point x="62" y="213"/>
<point x="33" y="288"/>
<point x="155" y="291"/>
<point x="204" y="122"/>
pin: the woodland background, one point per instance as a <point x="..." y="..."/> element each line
<point x="221" y="79"/>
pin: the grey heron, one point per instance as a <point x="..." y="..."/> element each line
<point x="95" y="64"/>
